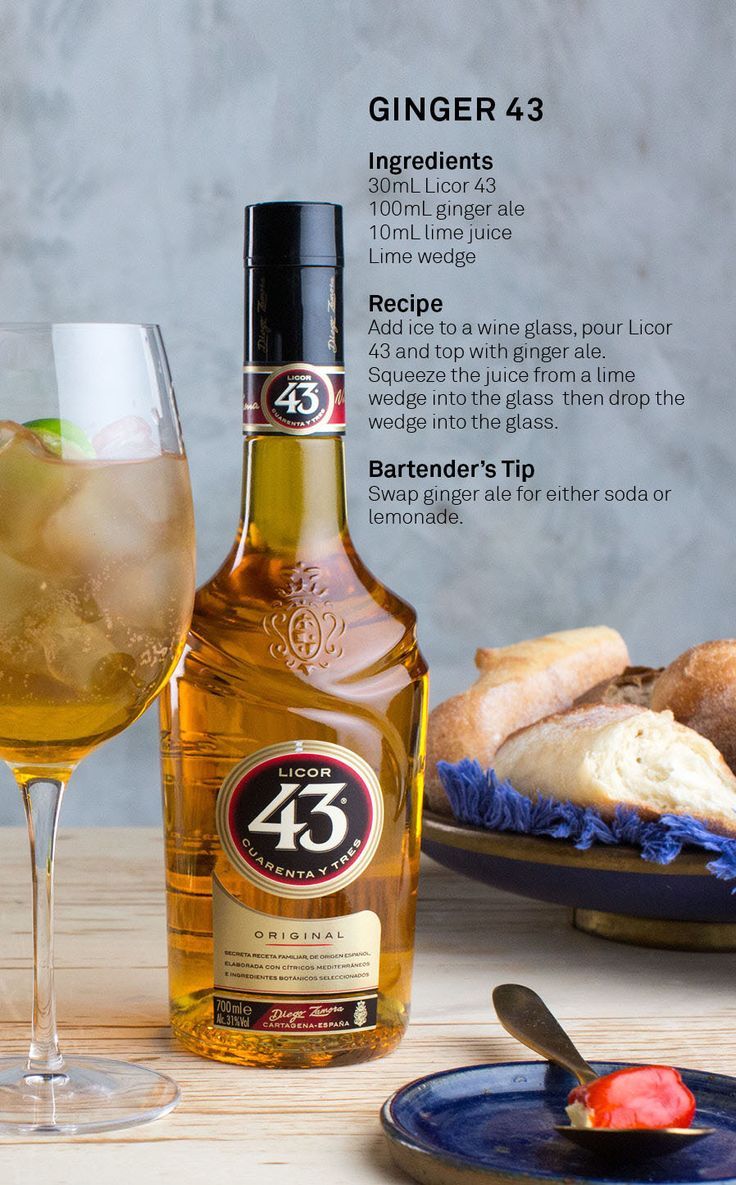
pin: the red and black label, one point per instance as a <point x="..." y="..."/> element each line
<point x="296" y="400"/>
<point x="337" y="1015"/>
<point x="301" y="820"/>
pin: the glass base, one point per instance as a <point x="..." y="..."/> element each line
<point x="89" y="1094"/>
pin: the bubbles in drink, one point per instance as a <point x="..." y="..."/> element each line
<point x="96" y="585"/>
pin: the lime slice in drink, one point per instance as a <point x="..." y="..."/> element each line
<point x="62" y="438"/>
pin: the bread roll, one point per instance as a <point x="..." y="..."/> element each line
<point x="699" y="688"/>
<point x="632" y="686"/>
<point x="605" y="754"/>
<point x="517" y="685"/>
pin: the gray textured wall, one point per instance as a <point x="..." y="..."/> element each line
<point x="132" y="133"/>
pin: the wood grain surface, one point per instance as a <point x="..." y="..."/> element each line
<point x="319" y="1125"/>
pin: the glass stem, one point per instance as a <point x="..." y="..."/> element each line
<point x="42" y="800"/>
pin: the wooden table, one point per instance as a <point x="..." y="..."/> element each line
<point x="268" y="1126"/>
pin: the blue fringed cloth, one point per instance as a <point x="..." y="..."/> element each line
<point x="478" y="798"/>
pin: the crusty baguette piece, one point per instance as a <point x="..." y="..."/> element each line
<point x="517" y="685"/>
<point x="604" y="754"/>
<point x="699" y="688"/>
<point x="632" y="686"/>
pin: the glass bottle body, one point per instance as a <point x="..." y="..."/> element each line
<point x="293" y="640"/>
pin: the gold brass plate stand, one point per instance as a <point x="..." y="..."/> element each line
<point x="657" y="932"/>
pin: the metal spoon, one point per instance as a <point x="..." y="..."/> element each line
<point x="523" y="1014"/>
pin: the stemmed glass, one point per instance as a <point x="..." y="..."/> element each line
<point x="96" y="590"/>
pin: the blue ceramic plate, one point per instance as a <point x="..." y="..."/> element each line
<point x="612" y="880"/>
<point x="482" y="1124"/>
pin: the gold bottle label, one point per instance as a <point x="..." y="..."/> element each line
<point x="301" y="819"/>
<point x="293" y="975"/>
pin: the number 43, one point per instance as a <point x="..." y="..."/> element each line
<point x="516" y="111"/>
<point x="287" y="828"/>
<point x="299" y="399"/>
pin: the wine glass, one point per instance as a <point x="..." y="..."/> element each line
<point x="96" y="591"/>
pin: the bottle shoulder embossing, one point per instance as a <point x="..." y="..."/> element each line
<point x="304" y="628"/>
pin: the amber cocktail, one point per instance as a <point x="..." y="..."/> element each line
<point x="95" y="568"/>
<point x="96" y="590"/>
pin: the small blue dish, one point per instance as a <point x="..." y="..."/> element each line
<point x="479" y="1125"/>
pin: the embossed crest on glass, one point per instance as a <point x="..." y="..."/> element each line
<point x="96" y="590"/>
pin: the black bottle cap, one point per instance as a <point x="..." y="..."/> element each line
<point x="296" y="234"/>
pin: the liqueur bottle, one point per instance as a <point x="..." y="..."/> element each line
<point x="293" y="729"/>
